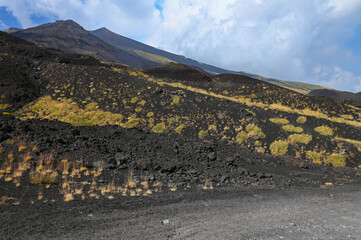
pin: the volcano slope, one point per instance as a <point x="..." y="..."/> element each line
<point x="91" y="133"/>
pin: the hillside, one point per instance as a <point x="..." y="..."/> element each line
<point x="353" y="98"/>
<point x="76" y="129"/>
<point x="71" y="37"/>
<point x="81" y="140"/>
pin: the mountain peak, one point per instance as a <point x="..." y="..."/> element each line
<point x="12" y="30"/>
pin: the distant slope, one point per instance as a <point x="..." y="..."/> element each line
<point x="163" y="57"/>
<point x="343" y="96"/>
<point x="143" y="49"/>
<point x="71" y="37"/>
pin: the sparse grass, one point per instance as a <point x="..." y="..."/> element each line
<point x="291" y="128"/>
<point x="153" y="57"/>
<point x="159" y="128"/>
<point x="336" y="159"/>
<point x="324" y="130"/>
<point x="279" y="147"/>
<point x="300" y="138"/>
<point x="281" y="121"/>
<point x="301" y="119"/>
<point x="250" y="103"/>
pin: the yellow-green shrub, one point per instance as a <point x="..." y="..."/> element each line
<point x="316" y="157"/>
<point x="180" y="128"/>
<point x="336" y="159"/>
<point x="280" y="121"/>
<point x="279" y="147"/>
<point x="159" y="128"/>
<point x="253" y="130"/>
<point x="241" y="137"/>
<point x="202" y="134"/>
<point x="324" y="130"/>
<point x="291" y="128"/>
<point x="300" y="138"/>
<point x="301" y="119"/>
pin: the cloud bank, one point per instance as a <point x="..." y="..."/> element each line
<point x="290" y="40"/>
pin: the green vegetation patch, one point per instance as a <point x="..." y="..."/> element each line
<point x="212" y="128"/>
<point x="241" y="137"/>
<point x="202" y="134"/>
<point x="67" y="111"/>
<point x="4" y="106"/>
<point x="300" y="138"/>
<point x="159" y="128"/>
<point x="176" y="100"/>
<point x="133" y="122"/>
<point x="324" y="130"/>
<point x="291" y="128"/>
<point x="316" y="157"/>
<point x="134" y="100"/>
<point x="301" y="119"/>
<point x="254" y="130"/>
<point x="281" y="121"/>
<point x="180" y="128"/>
<point x="336" y="159"/>
<point x="279" y="147"/>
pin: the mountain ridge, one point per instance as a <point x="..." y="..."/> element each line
<point x="71" y="37"/>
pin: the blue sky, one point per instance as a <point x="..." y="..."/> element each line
<point x="314" y="41"/>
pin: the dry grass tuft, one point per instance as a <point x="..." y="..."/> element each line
<point x="208" y="185"/>
<point x="131" y="183"/>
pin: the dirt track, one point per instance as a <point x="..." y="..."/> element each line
<point x="296" y="213"/>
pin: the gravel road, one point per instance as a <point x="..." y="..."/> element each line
<point x="307" y="213"/>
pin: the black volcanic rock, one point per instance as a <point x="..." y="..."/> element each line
<point x="21" y="66"/>
<point x="71" y="37"/>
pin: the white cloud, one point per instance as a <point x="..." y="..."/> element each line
<point x="281" y="39"/>
<point x="139" y="18"/>
<point x="337" y="78"/>
<point x="3" y="25"/>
